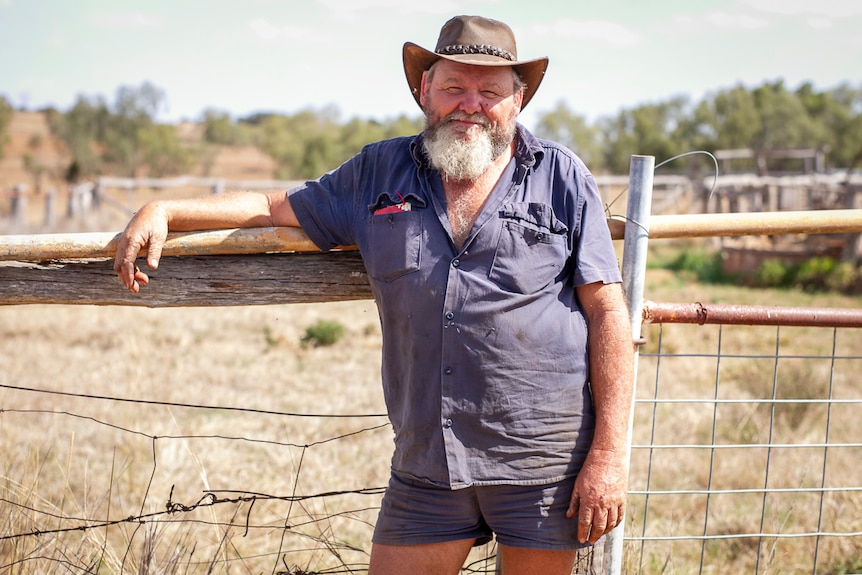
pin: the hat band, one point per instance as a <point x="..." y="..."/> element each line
<point x="485" y="49"/>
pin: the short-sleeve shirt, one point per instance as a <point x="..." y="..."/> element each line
<point x="485" y="364"/>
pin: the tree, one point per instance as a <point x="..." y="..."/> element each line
<point x="839" y="113"/>
<point x="218" y="128"/>
<point x="5" y="118"/>
<point x="785" y="123"/>
<point x="651" y="129"/>
<point x="162" y="152"/>
<point x="133" y="114"/>
<point x="572" y="130"/>
<point x="734" y="118"/>
<point x="403" y="126"/>
<point x="81" y="129"/>
<point x="32" y="164"/>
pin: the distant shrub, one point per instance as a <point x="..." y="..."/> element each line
<point x="322" y="333"/>
<point x="822" y="274"/>
<point x="817" y="274"/>
<point x="773" y="273"/>
<point x="845" y="277"/>
<point x="811" y="274"/>
<point x="706" y="266"/>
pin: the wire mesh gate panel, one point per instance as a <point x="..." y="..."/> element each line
<point x="747" y="447"/>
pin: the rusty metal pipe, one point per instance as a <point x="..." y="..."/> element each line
<point x="699" y="313"/>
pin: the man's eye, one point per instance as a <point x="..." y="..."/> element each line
<point x="453" y="89"/>
<point x="491" y="95"/>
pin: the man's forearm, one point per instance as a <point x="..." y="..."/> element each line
<point x="233" y="210"/>
<point x="611" y="378"/>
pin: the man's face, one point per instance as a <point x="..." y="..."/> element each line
<point x="470" y="116"/>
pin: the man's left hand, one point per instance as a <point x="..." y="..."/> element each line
<point x="599" y="498"/>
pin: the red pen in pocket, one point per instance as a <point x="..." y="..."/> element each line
<point x="404" y="206"/>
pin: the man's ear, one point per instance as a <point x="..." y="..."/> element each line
<point x="422" y="88"/>
<point x="519" y="99"/>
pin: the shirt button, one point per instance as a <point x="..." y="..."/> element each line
<point x="447" y="423"/>
<point x="540" y="236"/>
<point x="456" y="263"/>
<point x="447" y="371"/>
<point x="450" y="315"/>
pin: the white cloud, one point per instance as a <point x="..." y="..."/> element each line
<point x="714" y="22"/>
<point x="821" y="14"/>
<point x="821" y="8"/>
<point x="266" y="30"/>
<point x="127" y="20"/>
<point x="729" y="21"/>
<point x="350" y="8"/>
<point x="592" y="31"/>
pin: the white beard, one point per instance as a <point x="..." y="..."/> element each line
<point x="465" y="160"/>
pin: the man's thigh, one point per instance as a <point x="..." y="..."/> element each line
<point x="431" y="559"/>
<point x="515" y="561"/>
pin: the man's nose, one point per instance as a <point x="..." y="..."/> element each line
<point x="471" y="102"/>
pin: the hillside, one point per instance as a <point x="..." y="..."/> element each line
<point x="28" y="134"/>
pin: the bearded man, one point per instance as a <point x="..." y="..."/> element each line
<point x="507" y="354"/>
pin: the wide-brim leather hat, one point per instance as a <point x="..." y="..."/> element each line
<point x="476" y="41"/>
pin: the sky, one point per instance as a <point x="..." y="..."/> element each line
<point x="283" y="56"/>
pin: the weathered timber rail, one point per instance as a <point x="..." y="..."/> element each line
<point x="280" y="265"/>
<point x="222" y="280"/>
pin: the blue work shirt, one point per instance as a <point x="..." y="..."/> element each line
<point x="485" y="366"/>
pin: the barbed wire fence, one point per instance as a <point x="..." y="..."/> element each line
<point x="294" y="531"/>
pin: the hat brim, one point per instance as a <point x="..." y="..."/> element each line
<point x="417" y="60"/>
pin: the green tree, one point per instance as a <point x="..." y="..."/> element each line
<point x="121" y="138"/>
<point x="5" y="118"/>
<point x="303" y="145"/>
<point x="162" y="152"/>
<point x="221" y="130"/>
<point x="650" y="129"/>
<point x="82" y="129"/>
<point x="218" y="128"/>
<point x="838" y="112"/>
<point x="573" y="131"/>
<point x="785" y="122"/>
<point x="733" y="117"/>
<point x="31" y="161"/>
<point x="403" y="126"/>
<point x="357" y="133"/>
<point x="133" y="114"/>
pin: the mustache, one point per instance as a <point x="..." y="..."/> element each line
<point x="464" y="117"/>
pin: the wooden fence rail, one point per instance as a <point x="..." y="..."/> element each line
<point x="280" y="265"/>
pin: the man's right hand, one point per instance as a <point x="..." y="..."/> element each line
<point x="148" y="230"/>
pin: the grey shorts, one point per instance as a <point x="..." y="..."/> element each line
<point x="524" y="516"/>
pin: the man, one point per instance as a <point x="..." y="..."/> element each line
<point x="489" y="257"/>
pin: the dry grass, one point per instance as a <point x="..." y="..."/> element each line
<point x="58" y="464"/>
<point x="104" y="461"/>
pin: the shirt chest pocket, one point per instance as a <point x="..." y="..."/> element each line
<point x="532" y="248"/>
<point x="394" y="245"/>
